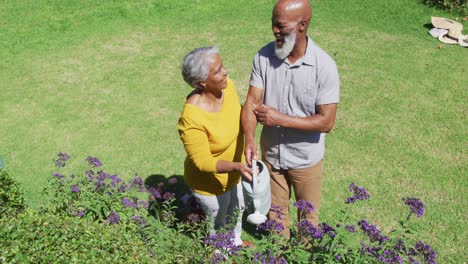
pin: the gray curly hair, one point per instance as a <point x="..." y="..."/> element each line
<point x="196" y="65"/>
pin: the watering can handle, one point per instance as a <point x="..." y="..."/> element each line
<point x="254" y="173"/>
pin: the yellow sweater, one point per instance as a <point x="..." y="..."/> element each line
<point x="209" y="137"/>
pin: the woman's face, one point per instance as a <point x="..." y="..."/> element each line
<point x="217" y="78"/>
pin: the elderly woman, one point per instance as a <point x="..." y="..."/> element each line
<point x="209" y="127"/>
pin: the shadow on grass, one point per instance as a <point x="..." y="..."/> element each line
<point x="250" y="228"/>
<point x="428" y="25"/>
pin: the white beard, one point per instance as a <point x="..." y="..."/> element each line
<point x="288" y="45"/>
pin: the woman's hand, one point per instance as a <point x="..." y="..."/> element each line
<point x="228" y="166"/>
<point x="245" y="171"/>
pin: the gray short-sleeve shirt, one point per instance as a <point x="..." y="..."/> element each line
<point x="295" y="90"/>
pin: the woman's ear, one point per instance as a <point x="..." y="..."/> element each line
<point x="201" y="85"/>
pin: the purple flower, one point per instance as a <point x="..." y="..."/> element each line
<point x="155" y="194"/>
<point x="90" y="175"/>
<point x="350" y="228"/>
<point x="268" y="257"/>
<point x="271" y="225"/>
<point x="372" y="232"/>
<point x="373" y="251"/>
<point x="138" y="219"/>
<point x="305" y="226"/>
<point x="136" y="181"/>
<point x="113" y="218"/>
<point x="59" y="176"/>
<point x="326" y="229"/>
<point x="75" y="189"/>
<point x="277" y="210"/>
<point x="172" y="180"/>
<point x="123" y="188"/>
<point x="168" y="196"/>
<point x="390" y="256"/>
<point x="400" y="246"/>
<point x="62" y="158"/>
<point x="304" y="206"/>
<point x="143" y="204"/>
<point x="218" y="258"/>
<point x="421" y="249"/>
<point x="59" y="163"/>
<point x="79" y="213"/>
<point x="338" y="257"/>
<point x="193" y="218"/>
<point x="221" y="240"/>
<point x="416" y="206"/>
<point x="115" y="180"/>
<point x="128" y="203"/>
<point x="359" y="193"/>
<point x="93" y="161"/>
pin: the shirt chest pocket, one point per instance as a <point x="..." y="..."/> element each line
<point x="305" y="93"/>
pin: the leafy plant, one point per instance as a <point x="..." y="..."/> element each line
<point x="347" y="241"/>
<point x="95" y="216"/>
<point x="460" y="6"/>
<point x="96" y="195"/>
<point x="11" y="195"/>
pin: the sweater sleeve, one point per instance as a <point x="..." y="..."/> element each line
<point x="196" y="145"/>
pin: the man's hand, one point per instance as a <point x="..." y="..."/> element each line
<point x="250" y="151"/>
<point x="268" y="116"/>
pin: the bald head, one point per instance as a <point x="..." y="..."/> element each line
<point x="293" y="10"/>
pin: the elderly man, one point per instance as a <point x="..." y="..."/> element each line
<point x="294" y="92"/>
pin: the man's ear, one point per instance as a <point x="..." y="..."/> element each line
<point x="303" y="25"/>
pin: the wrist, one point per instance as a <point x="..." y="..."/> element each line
<point x="238" y="166"/>
<point x="283" y="121"/>
<point x="249" y="138"/>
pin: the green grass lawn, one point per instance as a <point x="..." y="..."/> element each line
<point x="102" y="78"/>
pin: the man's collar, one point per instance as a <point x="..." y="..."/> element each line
<point x="309" y="56"/>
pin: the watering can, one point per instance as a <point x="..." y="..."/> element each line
<point x="257" y="194"/>
<point x="2" y="166"/>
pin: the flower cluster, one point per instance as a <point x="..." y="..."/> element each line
<point x="372" y="232"/>
<point x="268" y="257"/>
<point x="100" y="196"/>
<point x="223" y="243"/>
<point x="113" y="218"/>
<point x="423" y="250"/>
<point x="220" y="240"/>
<point x="93" y="161"/>
<point x="305" y="227"/>
<point x="350" y="228"/>
<point x="416" y="206"/>
<point x="359" y="193"/>
<point x="304" y="206"/>
<point x="97" y="195"/>
<point x="271" y="225"/>
<point x="62" y="158"/>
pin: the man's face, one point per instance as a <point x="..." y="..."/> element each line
<point x="285" y="36"/>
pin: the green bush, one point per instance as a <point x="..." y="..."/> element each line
<point x="11" y="195"/>
<point x="459" y="6"/>
<point x="34" y="237"/>
<point x="95" y="217"/>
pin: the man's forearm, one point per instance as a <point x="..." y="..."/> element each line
<point x="249" y="122"/>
